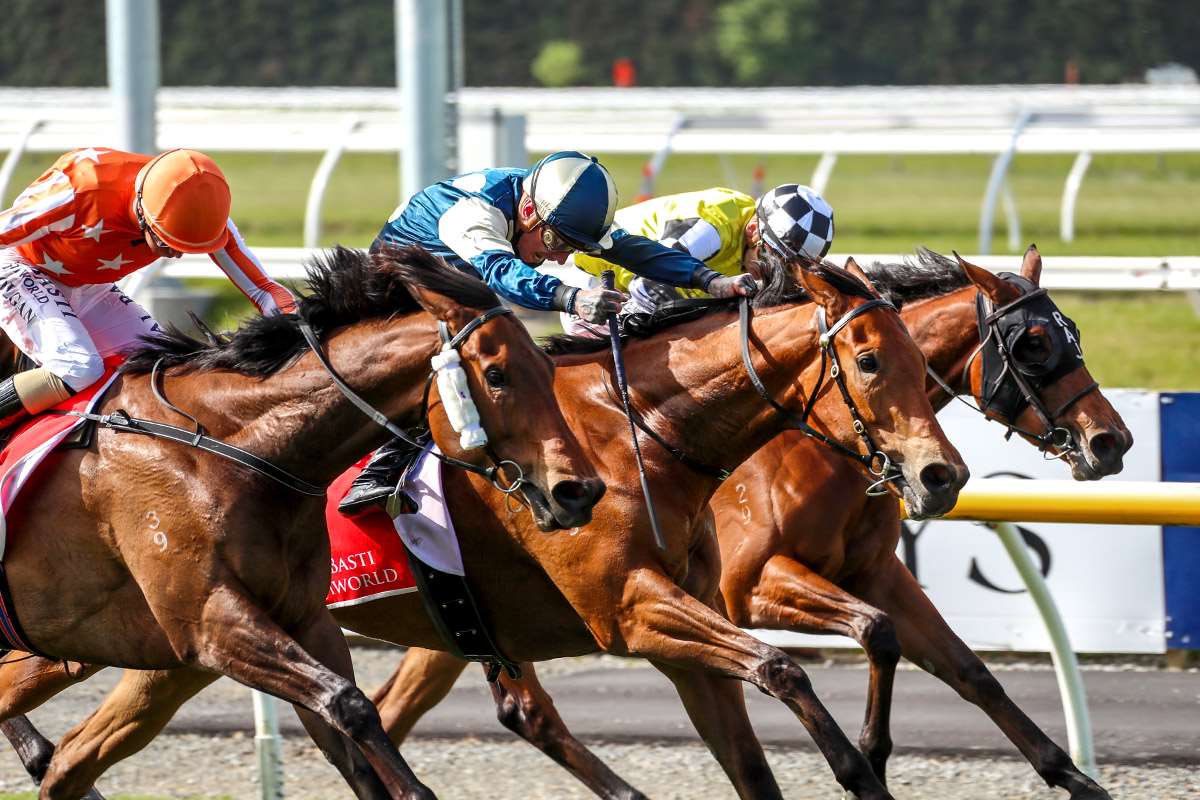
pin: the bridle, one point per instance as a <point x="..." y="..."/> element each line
<point x="493" y="473"/>
<point x="875" y="460"/>
<point x="1009" y="385"/>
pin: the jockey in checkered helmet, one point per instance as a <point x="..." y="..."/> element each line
<point x="795" y="221"/>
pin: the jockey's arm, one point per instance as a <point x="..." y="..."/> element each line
<point x="658" y="262"/>
<point x="237" y="261"/>
<point x="47" y="206"/>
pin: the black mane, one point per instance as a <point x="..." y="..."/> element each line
<point x="777" y="287"/>
<point x="932" y="275"/>
<point x="345" y="286"/>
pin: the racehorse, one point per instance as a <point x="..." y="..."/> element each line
<point x="804" y="548"/>
<point x="606" y="586"/>
<point x="143" y="552"/>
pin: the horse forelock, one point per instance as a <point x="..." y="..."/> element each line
<point x="345" y="286"/>
<point x="930" y="275"/>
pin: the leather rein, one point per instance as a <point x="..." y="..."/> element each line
<point x="875" y="461"/>
<point x="121" y="422"/>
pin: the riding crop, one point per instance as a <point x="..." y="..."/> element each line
<point x="608" y="279"/>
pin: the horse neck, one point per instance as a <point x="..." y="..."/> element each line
<point x="946" y="330"/>
<point x="298" y="419"/>
<point x="691" y="387"/>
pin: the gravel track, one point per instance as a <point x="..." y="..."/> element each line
<point x="190" y="764"/>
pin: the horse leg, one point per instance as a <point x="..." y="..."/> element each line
<point x="927" y="641"/>
<point x="235" y="637"/>
<point x="324" y="640"/>
<point x="525" y="708"/>
<point x="26" y="682"/>
<point x="791" y="596"/>
<point x="717" y="708"/>
<point x="656" y="620"/>
<point x="132" y="714"/>
<point x="421" y="681"/>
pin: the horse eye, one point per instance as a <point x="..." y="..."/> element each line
<point x="1032" y="347"/>
<point x="867" y="362"/>
<point x="495" y="377"/>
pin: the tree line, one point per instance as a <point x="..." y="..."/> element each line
<point x="669" y="42"/>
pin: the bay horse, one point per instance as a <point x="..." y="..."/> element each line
<point x="606" y="586"/>
<point x="804" y="548"/>
<point x="144" y="553"/>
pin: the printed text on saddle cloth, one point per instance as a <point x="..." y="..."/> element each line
<point x="367" y="555"/>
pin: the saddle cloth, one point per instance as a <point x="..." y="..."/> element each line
<point x="367" y="557"/>
<point x="32" y="441"/>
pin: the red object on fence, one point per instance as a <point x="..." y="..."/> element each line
<point x="624" y="74"/>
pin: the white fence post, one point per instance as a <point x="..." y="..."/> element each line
<point x="14" y="155"/>
<point x="987" y="215"/>
<point x="267" y="746"/>
<point x="824" y="168"/>
<point x="1066" y="222"/>
<point x="320" y="182"/>
<point x="1066" y="666"/>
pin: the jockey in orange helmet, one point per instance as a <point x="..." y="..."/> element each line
<point x="91" y="218"/>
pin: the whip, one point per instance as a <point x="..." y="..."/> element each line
<point x="609" y="281"/>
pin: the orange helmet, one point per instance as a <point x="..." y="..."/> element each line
<point x="183" y="197"/>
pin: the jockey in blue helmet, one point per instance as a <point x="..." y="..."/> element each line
<point x="502" y="224"/>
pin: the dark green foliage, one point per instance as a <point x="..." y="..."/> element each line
<point x="671" y="42"/>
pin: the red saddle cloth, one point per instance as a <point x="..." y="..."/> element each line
<point x="367" y="558"/>
<point x="40" y="435"/>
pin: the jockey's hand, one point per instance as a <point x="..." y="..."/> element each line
<point x="595" y="305"/>
<point x="742" y="285"/>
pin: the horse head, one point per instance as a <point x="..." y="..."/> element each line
<point x="511" y="382"/>
<point x="882" y="372"/>
<point x="1031" y="375"/>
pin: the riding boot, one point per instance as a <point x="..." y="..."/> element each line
<point x="12" y="410"/>
<point x="379" y="478"/>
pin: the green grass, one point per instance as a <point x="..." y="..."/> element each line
<point x="1129" y="205"/>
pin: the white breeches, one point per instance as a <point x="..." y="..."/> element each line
<point x="69" y="330"/>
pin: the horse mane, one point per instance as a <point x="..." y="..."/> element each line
<point x="345" y="286"/>
<point x="778" y="286"/>
<point x="931" y="275"/>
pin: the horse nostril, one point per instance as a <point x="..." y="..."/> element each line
<point x="578" y="495"/>
<point x="937" y="477"/>
<point x="1103" y="446"/>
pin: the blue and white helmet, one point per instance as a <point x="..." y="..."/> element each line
<point x="796" y="221"/>
<point x="576" y="197"/>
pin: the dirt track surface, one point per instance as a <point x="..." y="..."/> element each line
<point x="626" y="711"/>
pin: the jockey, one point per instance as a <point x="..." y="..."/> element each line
<point x="721" y="227"/>
<point x="501" y="224"/>
<point x="93" y="217"/>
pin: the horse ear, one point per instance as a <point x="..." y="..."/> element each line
<point x="438" y="305"/>
<point x="854" y="269"/>
<point x="825" y="293"/>
<point x="998" y="291"/>
<point x="1031" y="266"/>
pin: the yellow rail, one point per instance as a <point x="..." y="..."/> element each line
<point x="1105" y="502"/>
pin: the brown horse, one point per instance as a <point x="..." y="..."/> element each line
<point x="607" y="586"/>
<point x="145" y="553"/>
<point x="803" y="548"/>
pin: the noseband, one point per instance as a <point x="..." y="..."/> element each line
<point x="1010" y="385"/>
<point x="875" y="460"/>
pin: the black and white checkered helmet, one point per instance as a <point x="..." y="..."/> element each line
<point x="796" y="221"/>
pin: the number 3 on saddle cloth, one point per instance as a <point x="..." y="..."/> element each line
<point x="373" y="556"/>
<point x="24" y="452"/>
